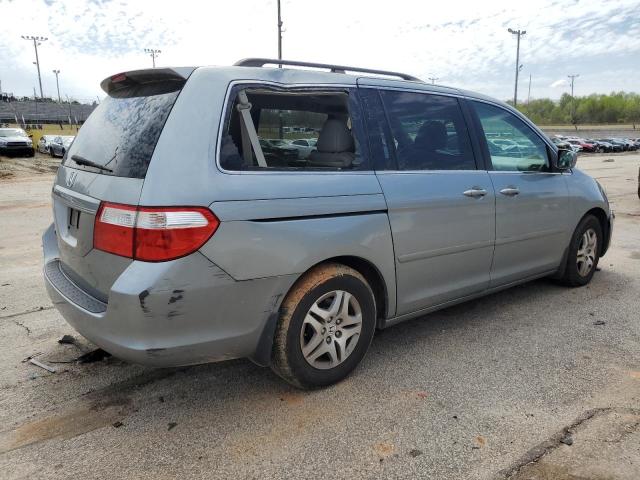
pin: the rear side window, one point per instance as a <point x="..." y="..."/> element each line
<point x="512" y="145"/>
<point x="121" y="134"/>
<point x="273" y="129"/>
<point x="429" y="131"/>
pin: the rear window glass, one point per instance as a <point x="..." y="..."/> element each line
<point x="121" y="134"/>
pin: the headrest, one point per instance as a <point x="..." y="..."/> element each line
<point x="431" y="136"/>
<point x="335" y="137"/>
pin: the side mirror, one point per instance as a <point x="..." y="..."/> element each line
<point x="566" y="159"/>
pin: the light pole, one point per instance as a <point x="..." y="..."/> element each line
<point x="519" y="33"/>
<point x="573" y="99"/>
<point x="279" y="33"/>
<point x="153" y="53"/>
<point x="433" y="80"/>
<point x="529" y="95"/>
<point x="36" y="41"/>
<point x="57" y="72"/>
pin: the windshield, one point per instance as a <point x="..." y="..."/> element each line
<point x="121" y="134"/>
<point x="12" y="132"/>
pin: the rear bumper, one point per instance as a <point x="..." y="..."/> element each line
<point x="183" y="312"/>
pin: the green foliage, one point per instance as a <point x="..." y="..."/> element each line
<point x="617" y="107"/>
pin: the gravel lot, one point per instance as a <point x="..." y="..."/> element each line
<point x="537" y="382"/>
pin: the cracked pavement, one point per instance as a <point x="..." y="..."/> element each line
<point x="489" y="389"/>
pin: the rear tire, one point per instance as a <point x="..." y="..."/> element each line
<point x="584" y="252"/>
<point x="326" y="325"/>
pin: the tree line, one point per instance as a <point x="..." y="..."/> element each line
<point x="616" y="107"/>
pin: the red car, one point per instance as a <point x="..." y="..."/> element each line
<point x="586" y="147"/>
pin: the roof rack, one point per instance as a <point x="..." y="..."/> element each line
<point x="261" y="62"/>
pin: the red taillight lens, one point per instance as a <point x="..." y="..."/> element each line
<point x="166" y="233"/>
<point x="152" y="234"/>
<point x="113" y="229"/>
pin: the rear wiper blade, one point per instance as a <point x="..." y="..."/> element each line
<point x="83" y="161"/>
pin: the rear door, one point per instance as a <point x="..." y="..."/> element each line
<point x="441" y="207"/>
<point x="108" y="161"/>
<point x="532" y="201"/>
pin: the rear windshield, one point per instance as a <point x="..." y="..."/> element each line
<point x="121" y="135"/>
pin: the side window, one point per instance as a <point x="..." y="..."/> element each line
<point x="273" y="129"/>
<point x="513" y="146"/>
<point x="429" y="131"/>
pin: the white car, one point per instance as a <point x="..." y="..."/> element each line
<point x="44" y="143"/>
<point x="304" y="146"/>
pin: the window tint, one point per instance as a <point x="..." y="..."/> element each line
<point x="296" y="130"/>
<point x="429" y="132"/>
<point x="513" y="146"/>
<point x="121" y="134"/>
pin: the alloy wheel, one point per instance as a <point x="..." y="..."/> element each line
<point x="586" y="256"/>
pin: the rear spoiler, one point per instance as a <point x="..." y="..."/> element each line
<point x="146" y="82"/>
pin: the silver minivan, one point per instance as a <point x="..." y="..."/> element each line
<point x="188" y="230"/>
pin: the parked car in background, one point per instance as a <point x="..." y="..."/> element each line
<point x="630" y="144"/>
<point x="618" y="146"/>
<point x="584" y="145"/>
<point x="60" y="144"/>
<point x="173" y="253"/>
<point x="601" y="146"/>
<point x="304" y="146"/>
<point x="561" y="143"/>
<point x="44" y="143"/>
<point x="15" y="141"/>
<point x="279" y="151"/>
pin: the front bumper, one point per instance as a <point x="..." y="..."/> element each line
<point x="18" y="150"/>
<point x="608" y="234"/>
<point x="186" y="311"/>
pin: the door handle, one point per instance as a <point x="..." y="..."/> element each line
<point x="475" y="192"/>
<point x="510" y="191"/>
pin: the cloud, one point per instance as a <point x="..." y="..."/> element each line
<point x="462" y="42"/>
<point x="559" y="83"/>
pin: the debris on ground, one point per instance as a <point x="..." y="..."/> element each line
<point x="171" y="425"/>
<point x="117" y="424"/>
<point x="96" y="355"/>
<point x="599" y="322"/>
<point x="567" y="440"/>
<point x="33" y="355"/>
<point x="37" y="363"/>
<point x="67" y="340"/>
<point x="607" y="160"/>
<point x="415" y="452"/>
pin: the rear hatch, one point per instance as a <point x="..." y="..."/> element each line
<point x="108" y="162"/>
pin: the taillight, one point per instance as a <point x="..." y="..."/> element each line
<point x="152" y="234"/>
<point x="113" y="229"/>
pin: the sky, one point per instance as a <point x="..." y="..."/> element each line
<point x="463" y="44"/>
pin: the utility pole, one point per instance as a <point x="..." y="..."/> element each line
<point x="57" y="72"/>
<point x="433" y="80"/>
<point x="153" y="53"/>
<point x="573" y="99"/>
<point x="279" y="34"/>
<point x="36" y="41"/>
<point x="519" y="33"/>
<point x="529" y="94"/>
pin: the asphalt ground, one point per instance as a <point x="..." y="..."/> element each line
<point x="487" y="389"/>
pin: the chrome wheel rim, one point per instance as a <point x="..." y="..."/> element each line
<point x="331" y="329"/>
<point x="586" y="257"/>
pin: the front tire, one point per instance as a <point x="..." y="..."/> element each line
<point x="326" y="325"/>
<point x="584" y="252"/>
